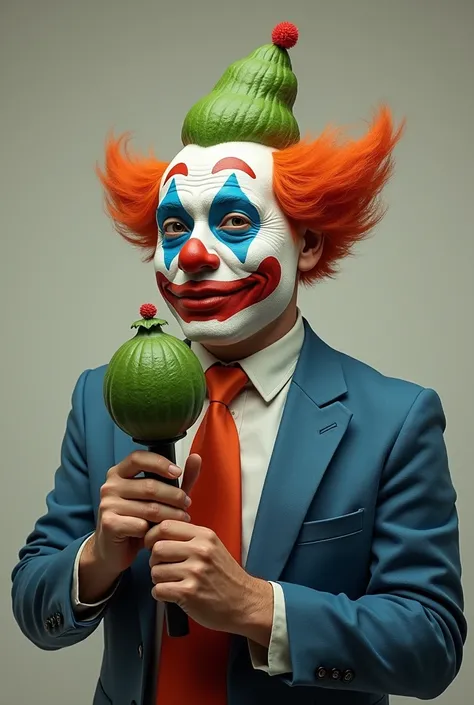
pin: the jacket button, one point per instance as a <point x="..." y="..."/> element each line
<point x="348" y="676"/>
<point x="140" y="651"/>
<point x="53" y="622"/>
<point x="321" y="673"/>
<point x="336" y="674"/>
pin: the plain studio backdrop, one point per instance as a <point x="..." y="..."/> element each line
<point x="69" y="287"/>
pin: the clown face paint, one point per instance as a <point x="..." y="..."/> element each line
<point x="226" y="261"/>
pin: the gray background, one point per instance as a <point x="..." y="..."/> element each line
<point x="69" y="287"/>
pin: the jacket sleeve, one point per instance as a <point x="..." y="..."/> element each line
<point x="42" y="578"/>
<point x="405" y="636"/>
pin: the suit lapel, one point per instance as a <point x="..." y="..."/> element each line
<point x="313" y="424"/>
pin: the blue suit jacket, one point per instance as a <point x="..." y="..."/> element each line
<point x="357" y="521"/>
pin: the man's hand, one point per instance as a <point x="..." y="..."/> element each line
<point x="191" y="567"/>
<point x="128" y="505"/>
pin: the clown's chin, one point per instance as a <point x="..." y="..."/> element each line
<point x="238" y="327"/>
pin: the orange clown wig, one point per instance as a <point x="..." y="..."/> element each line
<point x="330" y="185"/>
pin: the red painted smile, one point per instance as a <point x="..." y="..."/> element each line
<point x="213" y="300"/>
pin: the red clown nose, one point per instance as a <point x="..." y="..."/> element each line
<point x="194" y="257"/>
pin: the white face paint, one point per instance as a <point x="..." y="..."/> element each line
<point x="226" y="261"/>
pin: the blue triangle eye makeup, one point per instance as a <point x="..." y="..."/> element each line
<point x="171" y="207"/>
<point x="231" y="199"/>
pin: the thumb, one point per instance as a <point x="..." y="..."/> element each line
<point x="191" y="472"/>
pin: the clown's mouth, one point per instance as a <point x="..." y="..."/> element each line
<point x="207" y="300"/>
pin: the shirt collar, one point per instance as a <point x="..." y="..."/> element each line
<point x="268" y="369"/>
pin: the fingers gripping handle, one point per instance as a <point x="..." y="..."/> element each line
<point x="177" y="622"/>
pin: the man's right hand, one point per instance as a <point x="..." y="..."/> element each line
<point x="128" y="505"/>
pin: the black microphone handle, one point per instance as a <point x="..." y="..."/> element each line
<point x="177" y="623"/>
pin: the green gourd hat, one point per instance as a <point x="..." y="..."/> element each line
<point x="253" y="100"/>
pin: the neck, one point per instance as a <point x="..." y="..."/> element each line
<point x="265" y="337"/>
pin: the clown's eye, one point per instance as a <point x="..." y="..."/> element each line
<point x="236" y="223"/>
<point x="173" y="227"/>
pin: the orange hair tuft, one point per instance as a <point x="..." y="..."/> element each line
<point x="333" y="188"/>
<point x="131" y="183"/>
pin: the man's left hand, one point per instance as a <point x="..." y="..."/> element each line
<point x="191" y="567"/>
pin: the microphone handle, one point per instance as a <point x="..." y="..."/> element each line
<point x="177" y="623"/>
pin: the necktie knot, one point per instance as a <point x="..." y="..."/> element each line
<point x="224" y="383"/>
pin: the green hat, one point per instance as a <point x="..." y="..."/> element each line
<point x="253" y="100"/>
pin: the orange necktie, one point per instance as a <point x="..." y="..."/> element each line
<point x="193" y="669"/>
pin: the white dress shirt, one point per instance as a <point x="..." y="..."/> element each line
<point x="257" y="413"/>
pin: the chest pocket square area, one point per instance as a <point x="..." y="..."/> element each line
<point x="331" y="529"/>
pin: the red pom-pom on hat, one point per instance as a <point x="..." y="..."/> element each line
<point x="148" y="311"/>
<point x="285" y="35"/>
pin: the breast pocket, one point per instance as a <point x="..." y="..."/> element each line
<point x="331" y="529"/>
<point x="331" y="555"/>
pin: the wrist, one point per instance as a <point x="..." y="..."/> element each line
<point x="255" y="616"/>
<point x="96" y="575"/>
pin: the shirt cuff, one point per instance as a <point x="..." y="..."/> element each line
<point x="85" y="611"/>
<point x="275" y="660"/>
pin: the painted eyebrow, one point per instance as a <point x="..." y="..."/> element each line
<point x="234" y="163"/>
<point x="180" y="168"/>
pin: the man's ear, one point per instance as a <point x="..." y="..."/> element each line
<point x="311" y="250"/>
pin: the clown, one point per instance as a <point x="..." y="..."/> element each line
<point x="247" y="210"/>
<point x="313" y="541"/>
